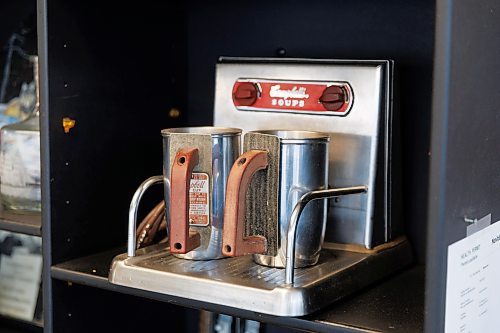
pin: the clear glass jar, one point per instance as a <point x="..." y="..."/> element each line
<point x="20" y="159"/>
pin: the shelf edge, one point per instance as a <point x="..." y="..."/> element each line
<point x="86" y="279"/>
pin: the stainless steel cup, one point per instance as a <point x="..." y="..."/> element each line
<point x="265" y="184"/>
<point x="196" y="165"/>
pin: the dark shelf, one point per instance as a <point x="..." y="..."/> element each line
<point x="13" y="329"/>
<point x="24" y="223"/>
<point x="13" y="325"/>
<point x="395" y="305"/>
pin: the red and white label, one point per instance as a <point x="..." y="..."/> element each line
<point x="199" y="199"/>
<point x="289" y="96"/>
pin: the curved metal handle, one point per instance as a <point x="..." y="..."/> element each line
<point x="132" y="212"/>
<point x="294" y="219"/>
<point x="233" y="240"/>
<point x="181" y="239"/>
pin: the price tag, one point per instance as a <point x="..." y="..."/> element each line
<point x="199" y="199"/>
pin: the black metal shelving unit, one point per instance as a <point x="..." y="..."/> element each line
<point x="119" y="69"/>
<point x="18" y="325"/>
<point x="387" y="305"/>
<point x="8" y="325"/>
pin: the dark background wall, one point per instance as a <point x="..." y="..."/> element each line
<point x="390" y="29"/>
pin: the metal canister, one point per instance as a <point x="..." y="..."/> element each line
<point x="196" y="165"/>
<point x="265" y="184"/>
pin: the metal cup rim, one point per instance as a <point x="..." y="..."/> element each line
<point x="296" y="136"/>
<point x="202" y="130"/>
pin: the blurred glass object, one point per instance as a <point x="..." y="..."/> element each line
<point x="20" y="157"/>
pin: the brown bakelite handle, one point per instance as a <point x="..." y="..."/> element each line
<point x="234" y="242"/>
<point x="181" y="240"/>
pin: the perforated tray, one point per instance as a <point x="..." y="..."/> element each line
<point x="240" y="283"/>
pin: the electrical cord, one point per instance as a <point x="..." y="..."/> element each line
<point x="153" y="228"/>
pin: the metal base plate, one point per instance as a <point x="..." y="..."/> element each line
<point x="240" y="283"/>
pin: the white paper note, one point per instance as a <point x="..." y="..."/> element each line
<point x="473" y="283"/>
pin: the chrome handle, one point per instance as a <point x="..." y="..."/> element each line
<point x="132" y="212"/>
<point x="294" y="219"/>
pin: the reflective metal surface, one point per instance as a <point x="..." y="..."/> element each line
<point x="132" y="213"/>
<point x="208" y="130"/>
<point x="218" y="149"/>
<point x="295" y="218"/>
<point x="303" y="168"/>
<point x="240" y="283"/>
<point x="354" y="152"/>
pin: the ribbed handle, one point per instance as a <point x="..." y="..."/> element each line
<point x="234" y="242"/>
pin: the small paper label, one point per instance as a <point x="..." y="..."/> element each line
<point x="472" y="283"/>
<point x="199" y="199"/>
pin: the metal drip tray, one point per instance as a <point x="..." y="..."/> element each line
<point x="240" y="283"/>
